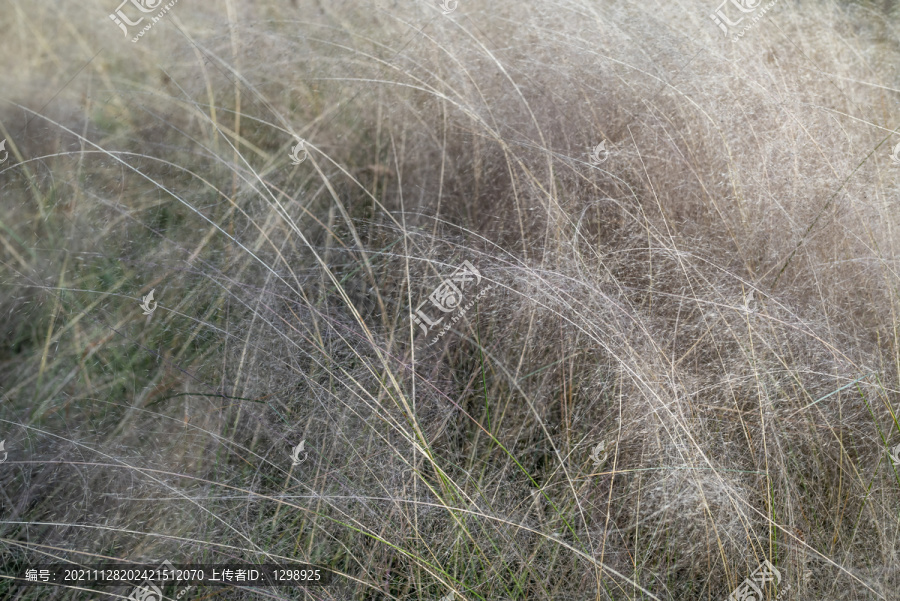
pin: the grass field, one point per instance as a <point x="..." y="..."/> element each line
<point x="495" y="300"/>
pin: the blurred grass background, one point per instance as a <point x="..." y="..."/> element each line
<point x="717" y="301"/>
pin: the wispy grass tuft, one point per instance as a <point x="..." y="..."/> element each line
<point x="717" y="301"/>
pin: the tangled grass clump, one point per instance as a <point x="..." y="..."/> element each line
<point x="714" y="305"/>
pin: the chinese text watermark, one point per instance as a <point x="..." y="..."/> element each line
<point x="751" y="588"/>
<point x="448" y="297"/>
<point x="145" y="7"/>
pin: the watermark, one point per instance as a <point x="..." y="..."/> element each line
<point x="448" y="299"/>
<point x="3" y="449"/>
<point x="895" y="154"/>
<point x="183" y="591"/>
<point x="156" y="578"/>
<point x="595" y="454"/>
<point x="145" y="303"/>
<point x="599" y="153"/>
<point x="780" y="595"/>
<point x="745" y="7"/>
<point x="295" y="456"/>
<point x="147" y="591"/>
<point x="296" y="150"/>
<point x="145" y="6"/>
<point x="150" y="592"/>
<point x="751" y="588"/>
<point x="5" y="153"/>
<point x="448" y="6"/>
<point x="748" y="300"/>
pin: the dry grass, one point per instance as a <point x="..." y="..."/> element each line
<point x="717" y="301"/>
